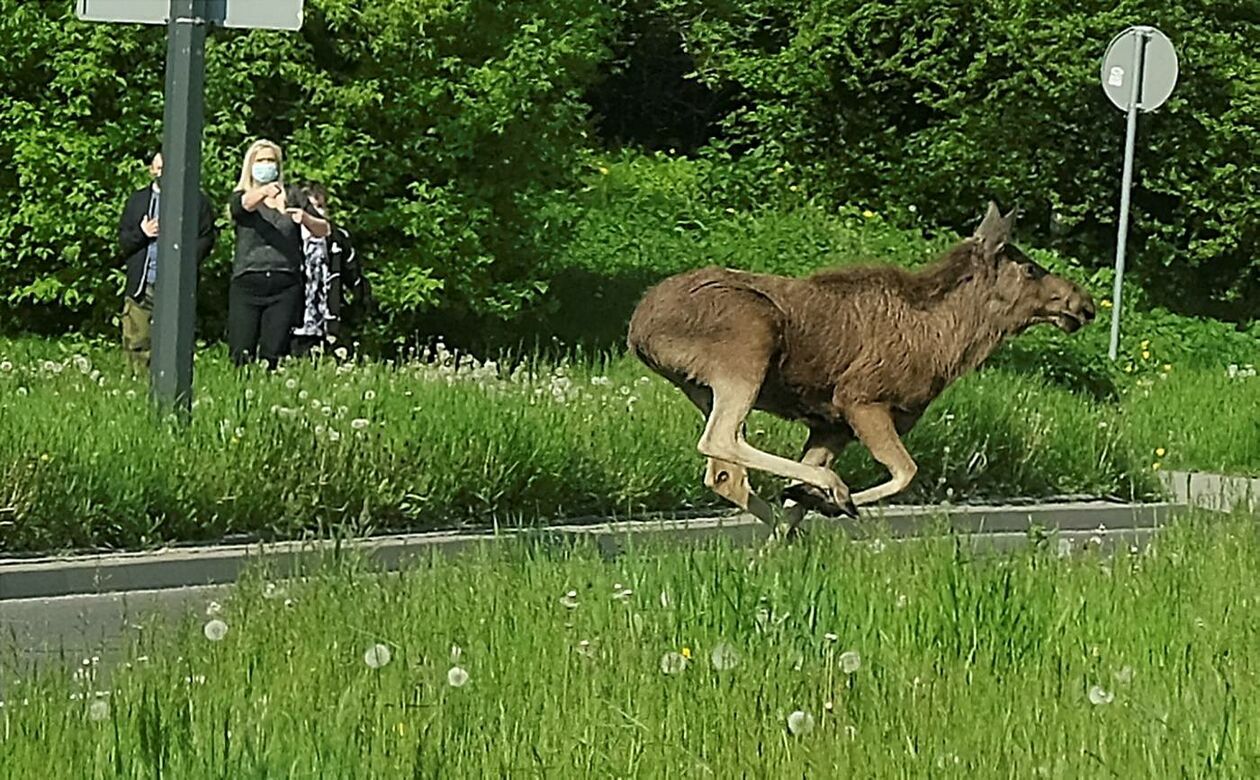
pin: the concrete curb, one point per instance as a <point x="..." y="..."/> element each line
<point x="999" y="526"/>
<point x="1216" y="492"/>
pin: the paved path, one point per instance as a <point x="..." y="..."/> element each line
<point x="47" y="629"/>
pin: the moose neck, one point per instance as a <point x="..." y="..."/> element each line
<point x="969" y="322"/>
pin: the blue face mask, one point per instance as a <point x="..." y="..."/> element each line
<point x="266" y="172"/>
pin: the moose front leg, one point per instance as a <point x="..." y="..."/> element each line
<point x="876" y="429"/>
<point x="730" y="481"/>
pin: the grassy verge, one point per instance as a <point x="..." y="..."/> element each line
<point x="901" y="660"/>
<point x="425" y="443"/>
<point x="1204" y="420"/>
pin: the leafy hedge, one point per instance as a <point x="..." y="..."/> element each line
<point x="443" y="129"/>
<point x="942" y="104"/>
<point x="464" y="143"/>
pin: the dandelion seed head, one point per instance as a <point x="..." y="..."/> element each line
<point x="1099" y="696"/>
<point x="359" y="424"/>
<point x="673" y="663"/>
<point x="800" y="723"/>
<point x="457" y="677"/>
<point x="215" y="630"/>
<point x="377" y="656"/>
<point x="98" y="710"/>
<point x="724" y="657"/>
<point x="850" y="661"/>
<point x="569" y="600"/>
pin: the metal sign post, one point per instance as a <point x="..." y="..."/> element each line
<point x="175" y="296"/>
<point x="1139" y="71"/>
<point x="175" y="304"/>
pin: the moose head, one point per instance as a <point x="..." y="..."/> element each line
<point x="1023" y="292"/>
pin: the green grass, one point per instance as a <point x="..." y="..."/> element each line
<point x="968" y="667"/>
<point x="1204" y="420"/>
<point x="421" y="445"/>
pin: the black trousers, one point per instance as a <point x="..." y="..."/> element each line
<point x="262" y="307"/>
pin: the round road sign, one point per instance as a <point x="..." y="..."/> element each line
<point x="1159" y="68"/>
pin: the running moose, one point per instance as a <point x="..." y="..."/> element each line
<point x="855" y="352"/>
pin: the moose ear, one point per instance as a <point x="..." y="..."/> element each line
<point x="1009" y="219"/>
<point x="994" y="229"/>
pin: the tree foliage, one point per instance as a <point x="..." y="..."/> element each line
<point x="460" y="138"/>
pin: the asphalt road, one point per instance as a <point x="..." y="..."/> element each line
<point x="88" y="632"/>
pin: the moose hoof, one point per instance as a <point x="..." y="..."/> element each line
<point x="818" y="500"/>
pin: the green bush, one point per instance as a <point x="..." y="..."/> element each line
<point x="441" y="129"/>
<point x="944" y="104"/>
<point x="463" y="142"/>
<point x="641" y="218"/>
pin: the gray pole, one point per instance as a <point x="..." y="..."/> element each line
<point x="174" y="311"/>
<point x="1130" y="141"/>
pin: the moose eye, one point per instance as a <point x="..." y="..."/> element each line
<point x="1033" y="271"/>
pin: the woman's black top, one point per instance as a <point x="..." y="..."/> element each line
<point x="266" y="239"/>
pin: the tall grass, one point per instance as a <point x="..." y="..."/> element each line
<point x="913" y="659"/>
<point x="427" y="443"/>
<point x="1204" y="420"/>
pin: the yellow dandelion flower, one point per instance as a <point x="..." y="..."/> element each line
<point x="1167" y="367"/>
<point x="1106" y="304"/>
<point x="1146" y="343"/>
<point x="1146" y="355"/>
<point x="1155" y="467"/>
<point x="603" y="171"/>
<point x="868" y="213"/>
<point x="1159" y="452"/>
<point x="686" y="653"/>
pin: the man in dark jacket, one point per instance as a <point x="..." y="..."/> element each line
<point x="138" y="232"/>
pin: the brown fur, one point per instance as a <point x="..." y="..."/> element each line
<point x="856" y="350"/>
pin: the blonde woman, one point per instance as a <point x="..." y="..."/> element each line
<point x="266" y="294"/>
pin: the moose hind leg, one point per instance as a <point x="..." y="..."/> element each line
<point x="733" y="399"/>
<point x="875" y="428"/>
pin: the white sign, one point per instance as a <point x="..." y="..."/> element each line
<point x="1158" y="60"/>
<point x="255" y="14"/>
